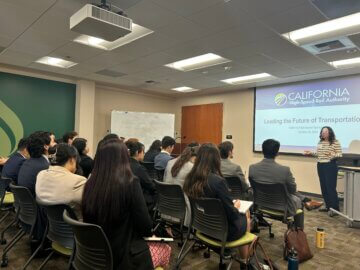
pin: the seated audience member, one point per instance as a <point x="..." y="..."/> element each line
<point x="111" y="136"/>
<point x="177" y="169"/>
<point x="167" y="146"/>
<point x="38" y="146"/>
<point x="86" y="163"/>
<point x="136" y="151"/>
<point x="69" y="137"/>
<point x="269" y="171"/>
<point x="59" y="184"/>
<point x="153" y="151"/>
<point x="12" y="166"/>
<point x="113" y="199"/>
<point x="205" y="181"/>
<point x="229" y="168"/>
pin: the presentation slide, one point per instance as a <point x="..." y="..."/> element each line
<point x="295" y="113"/>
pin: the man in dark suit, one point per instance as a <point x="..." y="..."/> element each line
<point x="229" y="168"/>
<point x="12" y="166"/>
<point x="167" y="146"/>
<point x="38" y="146"/>
<point x="268" y="171"/>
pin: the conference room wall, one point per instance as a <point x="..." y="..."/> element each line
<point x="238" y="122"/>
<point x="108" y="99"/>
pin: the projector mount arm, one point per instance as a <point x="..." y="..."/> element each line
<point x="106" y="6"/>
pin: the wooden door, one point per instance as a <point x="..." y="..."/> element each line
<point x="202" y="123"/>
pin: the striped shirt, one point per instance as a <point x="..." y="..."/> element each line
<point x="326" y="152"/>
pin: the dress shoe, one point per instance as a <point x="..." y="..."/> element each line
<point x="313" y="205"/>
<point x="324" y="209"/>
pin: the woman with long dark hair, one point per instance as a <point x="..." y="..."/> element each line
<point x="113" y="199"/>
<point x="86" y="163"/>
<point x="205" y="180"/>
<point x="328" y="150"/>
<point x="153" y="151"/>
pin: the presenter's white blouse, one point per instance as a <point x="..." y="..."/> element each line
<point x="326" y="152"/>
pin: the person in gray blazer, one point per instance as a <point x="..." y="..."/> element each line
<point x="269" y="171"/>
<point x="229" y="168"/>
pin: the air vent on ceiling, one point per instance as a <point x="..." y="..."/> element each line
<point x="325" y="46"/>
<point x="110" y="73"/>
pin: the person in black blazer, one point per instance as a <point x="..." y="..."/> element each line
<point x="113" y="199"/>
<point x="12" y="166"/>
<point x="86" y="163"/>
<point x="153" y="151"/>
<point x="136" y="151"/>
<point x="38" y="146"/>
<point x="205" y="180"/>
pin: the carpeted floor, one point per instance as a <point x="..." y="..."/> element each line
<point x="342" y="248"/>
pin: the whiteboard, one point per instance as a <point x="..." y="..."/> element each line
<point x="144" y="126"/>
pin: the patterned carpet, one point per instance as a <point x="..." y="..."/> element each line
<point x="342" y="248"/>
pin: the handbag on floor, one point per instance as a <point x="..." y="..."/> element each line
<point x="160" y="253"/>
<point x="259" y="260"/>
<point x="296" y="238"/>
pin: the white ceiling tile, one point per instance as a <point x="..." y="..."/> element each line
<point x="280" y="70"/>
<point x="17" y="58"/>
<point x="221" y="16"/>
<point x="5" y="41"/>
<point x="76" y="52"/>
<point x="261" y="8"/>
<point x="38" y="43"/>
<point x="339" y="55"/>
<point x="294" y="18"/>
<point x="186" y="7"/>
<point x="148" y="14"/>
<point x="249" y="32"/>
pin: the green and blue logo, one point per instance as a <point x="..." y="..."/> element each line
<point x="280" y="99"/>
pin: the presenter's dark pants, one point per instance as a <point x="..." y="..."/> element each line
<point x="328" y="179"/>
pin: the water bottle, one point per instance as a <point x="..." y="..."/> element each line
<point x="320" y="238"/>
<point x="293" y="262"/>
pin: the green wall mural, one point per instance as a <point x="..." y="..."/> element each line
<point x="29" y="104"/>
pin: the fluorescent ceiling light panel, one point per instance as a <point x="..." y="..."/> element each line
<point x="184" y="89"/>
<point x="250" y="78"/>
<point x="346" y="63"/>
<point x="138" y="31"/>
<point x="56" y="62"/>
<point x="198" y="62"/>
<point x="343" y="26"/>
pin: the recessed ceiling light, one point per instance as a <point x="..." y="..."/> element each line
<point x="56" y="62"/>
<point x="346" y="63"/>
<point x="198" y="62"/>
<point x="138" y="31"/>
<point x="184" y="89"/>
<point x="250" y="78"/>
<point x="343" y="26"/>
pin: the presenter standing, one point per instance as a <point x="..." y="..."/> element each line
<point x="328" y="150"/>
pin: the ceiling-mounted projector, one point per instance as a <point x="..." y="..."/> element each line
<point x="101" y="23"/>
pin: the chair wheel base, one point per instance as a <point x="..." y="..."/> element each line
<point x="4" y="262"/>
<point x="3" y="242"/>
<point x="207" y="254"/>
<point x="272" y="235"/>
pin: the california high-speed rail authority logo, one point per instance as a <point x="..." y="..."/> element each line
<point x="280" y="99"/>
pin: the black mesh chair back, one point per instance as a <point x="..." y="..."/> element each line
<point x="160" y="175"/>
<point x="208" y="217"/>
<point x="60" y="231"/>
<point x="27" y="204"/>
<point x="270" y="196"/>
<point x="92" y="250"/>
<point x="171" y="200"/>
<point x="150" y="169"/>
<point x="235" y="187"/>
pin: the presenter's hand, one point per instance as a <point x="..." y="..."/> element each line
<point x="236" y="203"/>
<point x="307" y="153"/>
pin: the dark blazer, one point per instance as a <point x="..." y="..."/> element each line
<point x="147" y="184"/>
<point x="87" y="164"/>
<point x="12" y="166"/>
<point x="29" y="171"/>
<point x="150" y="155"/>
<point x="229" y="168"/>
<point x="129" y="249"/>
<point x="268" y="171"/>
<point x="217" y="188"/>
